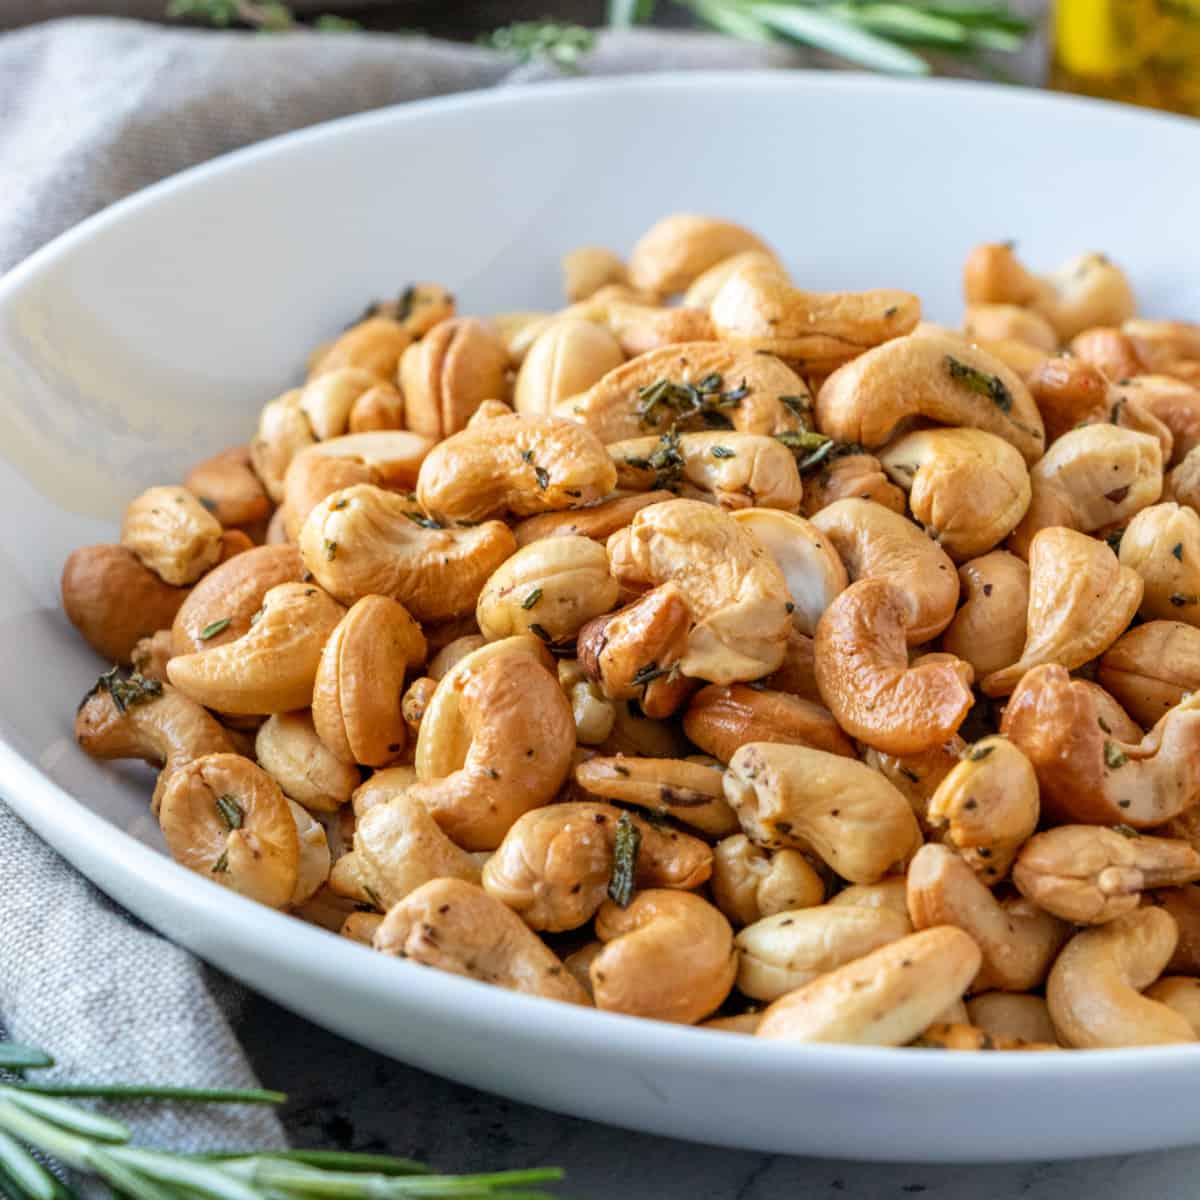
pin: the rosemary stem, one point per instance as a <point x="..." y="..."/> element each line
<point x="146" y="1091"/>
<point x="15" y="1057"/>
<point x="34" y="1131"/>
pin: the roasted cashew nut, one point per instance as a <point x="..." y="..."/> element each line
<point x="1150" y="668"/>
<point x="1017" y="940"/>
<point x="917" y="776"/>
<point x="1090" y="875"/>
<point x="1173" y="402"/>
<point x="329" y="400"/>
<point x="457" y="927"/>
<point x="850" y="477"/>
<point x="675" y="251"/>
<point x="1010" y="1015"/>
<point x="226" y="819"/>
<point x="704" y="288"/>
<point x="598" y="522"/>
<point x="554" y="865"/>
<point x="374" y="344"/>
<point x="288" y="749"/>
<point x="885" y="998"/>
<point x="1162" y="544"/>
<point x="943" y="1035"/>
<point x="866" y="681"/>
<point x="587" y="269"/>
<point x="1180" y="994"/>
<point x="227" y="487"/>
<point x="172" y="533"/>
<point x="273" y="665"/>
<point x="565" y="359"/>
<point x="988" y="631"/>
<point x="749" y="883"/>
<point x="668" y="956"/>
<point x="283" y="431"/>
<point x="593" y="712"/>
<point x="1009" y="322"/>
<point x="791" y="797"/>
<point x="890" y="893"/>
<point x="1085" y="771"/>
<point x="1093" y="990"/>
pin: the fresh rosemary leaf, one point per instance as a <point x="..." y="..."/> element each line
<point x="1114" y="756"/>
<point x="152" y="1091"/>
<point x="70" y="1116"/>
<point x="542" y="476"/>
<point x="425" y="522"/>
<point x="334" y="1160"/>
<point x="232" y="814"/>
<point x="29" y="1175"/>
<point x="211" y="631"/>
<point x="222" y="864"/>
<point x="531" y="599"/>
<point x="125" y="692"/>
<point x="906" y="23"/>
<point x="648" y="673"/>
<point x="722" y="452"/>
<point x="828" y="33"/>
<point x="560" y="44"/>
<point x="125" y="1181"/>
<point x="15" y="1057"/>
<point x="979" y="382"/>
<point x="625" y="852"/>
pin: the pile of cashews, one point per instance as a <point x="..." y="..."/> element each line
<point x="710" y="650"/>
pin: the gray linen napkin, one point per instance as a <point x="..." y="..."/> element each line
<point x="91" y="110"/>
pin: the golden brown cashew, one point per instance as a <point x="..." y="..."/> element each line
<point x="514" y="464"/>
<point x="758" y="309"/>
<point x="673" y="252"/>
<point x="288" y="749"/>
<point x="790" y="797"/>
<point x="1163" y="344"/>
<point x="172" y="533"/>
<point x="668" y="956"/>
<point x="988" y="631"/>
<point x="1009" y="1015"/>
<point x="554" y="865"/>
<point x="1174" y="402"/>
<point x="149" y="657"/>
<point x="940" y="377"/>
<point x="1093" y="991"/>
<point x="587" y="269"/>
<point x="885" y="998"/>
<point x="418" y="307"/>
<point x="1085" y="771"/>
<point x="374" y="344"/>
<point x="1080" y="601"/>
<point x="987" y="807"/>
<point x="720" y="720"/>
<point x="565" y="359"/>
<point x="283" y="431"/>
<point x="360" y="679"/>
<point x="313" y="857"/>
<point x="365" y="541"/>
<point x="917" y="776"/>
<point x="453" y="369"/>
<point x="943" y="1035"/>
<point x="1091" y="875"/>
<point x="1151" y="667"/>
<point x="133" y="718"/>
<point x="227" y="486"/>
<point x="226" y="819"/>
<point x="1110" y="351"/>
<point x="593" y="712"/>
<point x="686" y="387"/>
<point x="690" y="791"/>
<point x="783" y="952"/>
<point x="457" y="927"/>
<point x="114" y="601"/>
<point x="704" y="288"/>
<point x="812" y="568"/>
<point x="749" y="883"/>
<point x="850" y="477"/>
<point x="221" y="606"/>
<point x="875" y="542"/>
<point x="598" y="522"/>
<point x="272" y="666"/>
<point x="736" y="593"/>
<point x="360" y="927"/>
<point x="1162" y="544"/>
<point x="890" y="893"/>
<point x="329" y="399"/>
<point x="555" y="585"/>
<point x="866" y="681"/>
<point x="640" y="328"/>
<point x="1009" y="322"/>
<point x="1181" y="994"/>
<point x="521" y="735"/>
<point x="735" y="470"/>
<point x="1018" y="941"/>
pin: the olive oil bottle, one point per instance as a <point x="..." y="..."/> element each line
<point x="1141" y="51"/>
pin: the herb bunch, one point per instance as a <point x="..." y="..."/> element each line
<point x="38" y="1117"/>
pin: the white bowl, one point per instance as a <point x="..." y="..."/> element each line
<point x="150" y="335"/>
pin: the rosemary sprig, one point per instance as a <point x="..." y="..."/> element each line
<point x="269" y="16"/>
<point x="34" y="1118"/>
<point x="560" y="44"/>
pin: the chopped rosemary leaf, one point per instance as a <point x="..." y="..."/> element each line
<point x="527" y="456"/>
<point x="1114" y="757"/>
<point x="1114" y="540"/>
<point x="722" y="452"/>
<point x="540" y="631"/>
<point x="667" y="460"/>
<point x="211" y="631"/>
<point x="648" y="673"/>
<point x="626" y="844"/>
<point x="1177" y="550"/>
<point x="978" y="752"/>
<point x="125" y="692"/>
<point x="1126" y="831"/>
<point x="979" y="382"/>
<point x="1104" y="724"/>
<point x="330" y="550"/>
<point x="542" y="476"/>
<point x="232" y="814"/>
<point x="425" y="522"/>
<point x="531" y="599"/>
<point x="404" y="305"/>
<point x="701" y="404"/>
<point x="373" y="896"/>
<point x="222" y="864"/>
<point x="1182" y="599"/>
<point x="801" y="406"/>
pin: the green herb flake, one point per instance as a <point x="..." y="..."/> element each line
<point x="648" y="673"/>
<point x="722" y="452"/>
<point x="531" y="599"/>
<point x="800" y="406"/>
<point x="542" y="476"/>
<point x="1182" y="599"/>
<point x="540" y="631"/>
<point x="979" y="382"/>
<point x="979" y="752"/>
<point x="890" y="311"/>
<point x="373" y="896"/>
<point x="1126" y="831"/>
<point x="622" y="771"/>
<point x="406" y="303"/>
<point x="425" y="522"/>
<point x="330" y="550"/>
<point x="211" y="631"/>
<point x="527" y="456"/>
<point x="1114" y="756"/>
<point x="1177" y="550"/>
<point x="1104" y="724"/>
<point x="126" y="692"/>
<point x="1114" y="540"/>
<point x="222" y="864"/>
<point x="627" y="842"/>
<point x="232" y="814"/>
<point x="700" y="405"/>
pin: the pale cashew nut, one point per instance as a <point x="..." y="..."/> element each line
<point x="987" y="807"/>
<point x="283" y="431"/>
<point x="1174" y="402"/>
<point x="969" y="488"/>
<point x="598" y="521"/>
<point x="640" y="328"/>
<point x="593" y="712"/>
<point x="522" y="737"/>
<point x="937" y="376"/>
<point x="811" y="566"/>
<point x="890" y="892"/>
<point x="329" y="400"/>
<point x="1181" y="994"/>
<point x="1109" y="350"/>
<point x="587" y="269"/>
<point x="917" y="776"/>
<point x="690" y="791"/>
<point x="722" y="719"/>
<point x="675" y="251"/>
<point x="1018" y="941"/>
<point x="745" y="1023"/>
<point x="1009" y="322"/>
<point x="1091" y="875"/>
<point x="749" y="883"/>
<point x="988" y="631"/>
<point x="1086" y="771"/>
<point x="874" y="542"/>
<point x="758" y="309"/>
<point x="669" y="956"/>
<point x="1182" y="483"/>
<point x="172" y="533"/>
<point x="704" y="288"/>
<point x="866" y="681"/>
<point x="790" y="797"/>
<point x="1151" y="667"/>
<point x="796" y="674"/>
<point x="452" y="653"/>
<point x="415" y="701"/>
<point x="360" y="927"/>
<point x="736" y="593"/>
<point x="885" y="998"/>
<point x="364" y="541"/>
<point x="1011" y="1015"/>
<point x="226" y="818"/>
<point x="114" y="601"/>
<point x="456" y="926"/>
<point x="783" y="952"/>
<point x="227" y="487"/>
<point x="131" y="718"/>
<point x="288" y="749"/>
<point x="554" y="586"/>
<point x="566" y="358"/>
<point x="1081" y="599"/>
<point x="693" y="385"/>
<point x="375" y="344"/>
<point x="360" y="680"/>
<point x="1094" y="988"/>
<point x="1162" y="544"/>
<point x="313" y="861"/>
<point x="1163" y="344"/>
<point x="554" y="865"/>
<point x="853" y="477"/>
